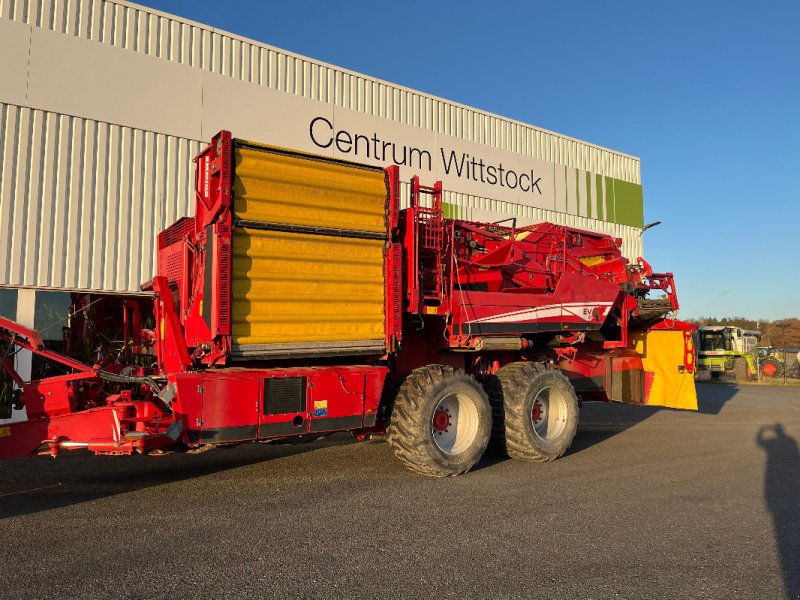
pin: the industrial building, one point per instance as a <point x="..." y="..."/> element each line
<point x="103" y="104"/>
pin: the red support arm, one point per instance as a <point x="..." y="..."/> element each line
<point x="173" y="351"/>
<point x="30" y="339"/>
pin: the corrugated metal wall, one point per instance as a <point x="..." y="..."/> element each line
<point x="150" y="32"/>
<point x="81" y="200"/>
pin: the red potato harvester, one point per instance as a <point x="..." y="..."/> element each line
<point x="300" y="300"/>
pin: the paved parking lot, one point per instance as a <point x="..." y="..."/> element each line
<point x="648" y="503"/>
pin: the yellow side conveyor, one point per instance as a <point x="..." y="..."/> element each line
<point x="308" y="255"/>
<point x="274" y="186"/>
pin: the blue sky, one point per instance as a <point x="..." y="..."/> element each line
<point x="706" y="93"/>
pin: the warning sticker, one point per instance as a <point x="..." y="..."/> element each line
<point x="320" y="408"/>
<point x="5" y="431"/>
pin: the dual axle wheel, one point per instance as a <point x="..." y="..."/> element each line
<point x="442" y="419"/>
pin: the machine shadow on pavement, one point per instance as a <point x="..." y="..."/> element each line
<point x="782" y="497"/>
<point x="711" y="397"/>
<point x="598" y="422"/>
<point x="601" y="421"/>
<point x="31" y="485"/>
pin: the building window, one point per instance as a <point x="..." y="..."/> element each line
<point x="8" y="309"/>
<point x="51" y="319"/>
<point x="87" y="327"/>
<point x="8" y="304"/>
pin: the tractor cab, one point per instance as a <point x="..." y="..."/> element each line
<point x="718" y="339"/>
<point x="727" y="350"/>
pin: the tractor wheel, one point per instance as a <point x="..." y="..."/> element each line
<point x="440" y="423"/>
<point x="536" y="411"/>
<point x="740" y="369"/>
<point x="771" y="368"/>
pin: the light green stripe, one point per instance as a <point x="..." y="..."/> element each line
<point x="450" y="211"/>
<point x="588" y="194"/>
<point x="598" y="182"/>
<point x="610" y="211"/>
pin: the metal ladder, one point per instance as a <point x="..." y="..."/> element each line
<point x="429" y="248"/>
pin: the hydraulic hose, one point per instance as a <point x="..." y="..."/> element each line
<point x="117" y="378"/>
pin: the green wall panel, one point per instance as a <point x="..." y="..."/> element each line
<point x="599" y="187"/>
<point x="628" y="203"/>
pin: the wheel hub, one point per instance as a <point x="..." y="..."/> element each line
<point x="441" y="421"/>
<point x="536" y="412"/>
<point x="549" y="413"/>
<point x="454" y="423"/>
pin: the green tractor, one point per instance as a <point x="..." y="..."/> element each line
<point x="727" y="351"/>
<point x="771" y="363"/>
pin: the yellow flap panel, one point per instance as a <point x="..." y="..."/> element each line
<point x="277" y="186"/>
<point x="297" y="287"/>
<point x="663" y="352"/>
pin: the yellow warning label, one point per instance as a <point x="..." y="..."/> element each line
<point x="320" y="408"/>
<point x="431" y="310"/>
<point x="5" y="431"/>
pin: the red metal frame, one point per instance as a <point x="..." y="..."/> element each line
<point x="206" y="315"/>
<point x="26" y="338"/>
<point x="75" y="410"/>
<point x="509" y="281"/>
<point x="425" y="241"/>
<point x="173" y="352"/>
<point x="394" y="263"/>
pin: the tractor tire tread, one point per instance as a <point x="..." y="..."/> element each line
<point x="406" y="416"/>
<point x="740" y="369"/>
<point x="510" y="419"/>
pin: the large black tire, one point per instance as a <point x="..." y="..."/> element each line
<point x="740" y="370"/>
<point x="440" y="423"/>
<point x="534" y="434"/>
<point x="771" y="368"/>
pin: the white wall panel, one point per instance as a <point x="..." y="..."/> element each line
<point x="53" y="169"/>
<point x="115" y="86"/>
<point x="14" y="40"/>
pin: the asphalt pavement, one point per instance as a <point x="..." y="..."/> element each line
<point x="647" y="503"/>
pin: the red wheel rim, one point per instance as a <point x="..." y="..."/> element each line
<point x="441" y="420"/>
<point x="536" y="412"/>
<point x="769" y="369"/>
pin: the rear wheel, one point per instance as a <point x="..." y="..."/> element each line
<point x="740" y="369"/>
<point x="771" y="368"/>
<point x="440" y="423"/>
<point x="535" y="409"/>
